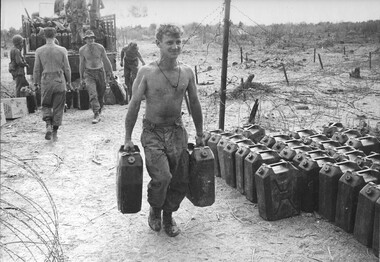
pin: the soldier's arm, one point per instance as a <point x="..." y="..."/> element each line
<point x="140" y="57"/>
<point x="195" y="105"/>
<point x="106" y="62"/>
<point x="67" y="68"/>
<point x="139" y="88"/>
<point x="81" y="64"/>
<point x="37" y="69"/>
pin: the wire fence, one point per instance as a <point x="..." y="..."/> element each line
<point x="28" y="215"/>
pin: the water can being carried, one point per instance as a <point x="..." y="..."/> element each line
<point x="129" y="180"/>
<point x="201" y="176"/>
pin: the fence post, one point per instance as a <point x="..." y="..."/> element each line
<point x="320" y="60"/>
<point x="196" y="75"/>
<point x="314" y="55"/>
<point x="370" y="65"/>
<point x="286" y="76"/>
<point x="241" y="54"/>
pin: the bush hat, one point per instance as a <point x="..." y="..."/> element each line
<point x="88" y="34"/>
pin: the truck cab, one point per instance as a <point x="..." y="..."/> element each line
<point x="104" y="29"/>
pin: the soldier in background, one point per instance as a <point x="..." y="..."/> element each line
<point x="51" y="69"/>
<point x="130" y="57"/>
<point x="77" y="15"/>
<point x="59" y="7"/>
<point x="94" y="10"/>
<point x="17" y="64"/>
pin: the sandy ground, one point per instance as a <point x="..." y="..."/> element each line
<point x="79" y="169"/>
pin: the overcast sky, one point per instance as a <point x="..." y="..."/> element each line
<point x="209" y="11"/>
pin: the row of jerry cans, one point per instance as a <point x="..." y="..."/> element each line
<point x="198" y="162"/>
<point x="284" y="175"/>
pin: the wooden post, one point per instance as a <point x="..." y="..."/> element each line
<point x="314" y="55"/>
<point x="320" y="60"/>
<point x="196" y="75"/>
<point x="370" y="56"/>
<point x="241" y="54"/>
<point x="253" y="112"/>
<point x="222" y="108"/>
<point x="286" y="76"/>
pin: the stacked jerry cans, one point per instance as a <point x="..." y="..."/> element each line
<point x="335" y="172"/>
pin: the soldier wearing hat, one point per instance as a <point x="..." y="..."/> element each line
<point x="17" y="64"/>
<point x="94" y="65"/>
<point x="52" y="72"/>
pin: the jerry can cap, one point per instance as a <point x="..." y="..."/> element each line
<point x="131" y="159"/>
<point x="369" y="191"/>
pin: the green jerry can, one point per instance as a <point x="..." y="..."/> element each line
<point x="298" y="134"/>
<point x="376" y="230"/>
<point x="229" y="160"/>
<point x="201" y="176"/>
<point x="349" y="186"/>
<point x="329" y="176"/>
<point x="278" y="190"/>
<point x="367" y="144"/>
<point x="207" y="135"/>
<point x="252" y="163"/>
<point x="254" y="132"/>
<point x="307" y="140"/>
<point x="241" y="153"/>
<point x="213" y="143"/>
<point x="220" y="148"/>
<point x="365" y="213"/>
<point x="288" y="153"/>
<point x="310" y="168"/>
<point x="269" y="140"/>
<point x="129" y="180"/>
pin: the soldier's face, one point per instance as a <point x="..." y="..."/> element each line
<point x="90" y="40"/>
<point x="170" y="46"/>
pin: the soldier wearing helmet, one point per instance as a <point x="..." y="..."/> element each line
<point x="17" y="64"/>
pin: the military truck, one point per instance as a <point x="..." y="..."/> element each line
<point x="104" y="28"/>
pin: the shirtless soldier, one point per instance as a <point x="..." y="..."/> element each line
<point x="93" y="61"/>
<point x="164" y="138"/>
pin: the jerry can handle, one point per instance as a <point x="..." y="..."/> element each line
<point x="135" y="150"/>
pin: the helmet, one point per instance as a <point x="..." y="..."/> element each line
<point x="17" y="39"/>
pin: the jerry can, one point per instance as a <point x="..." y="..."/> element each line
<point x="241" y="153"/>
<point x="84" y="99"/>
<point x="278" y="190"/>
<point x="353" y="155"/>
<point x="330" y="129"/>
<point x="340" y="150"/>
<point x="329" y="145"/>
<point x="300" y="156"/>
<point x="201" y="176"/>
<point x="307" y="140"/>
<point x="342" y="137"/>
<point x="365" y="213"/>
<point x="288" y="153"/>
<point x="374" y="159"/>
<point x="229" y="153"/>
<point x="212" y="143"/>
<point x="329" y="176"/>
<point x="220" y="148"/>
<point x="33" y="41"/>
<point x="280" y="145"/>
<point x="207" y="135"/>
<point x="65" y="40"/>
<point x="317" y="153"/>
<point x="298" y="134"/>
<point x="367" y="144"/>
<point x="310" y="168"/>
<point x="129" y="180"/>
<point x="254" y="132"/>
<point x="376" y="230"/>
<point x="349" y="186"/>
<point x="252" y="163"/>
<point x="58" y="36"/>
<point x="269" y="140"/>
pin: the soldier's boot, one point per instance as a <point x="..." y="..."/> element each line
<point x="170" y="226"/>
<point x="49" y="130"/>
<point x="154" y="219"/>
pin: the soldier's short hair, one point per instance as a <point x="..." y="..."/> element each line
<point x="50" y="32"/>
<point x="168" y="29"/>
